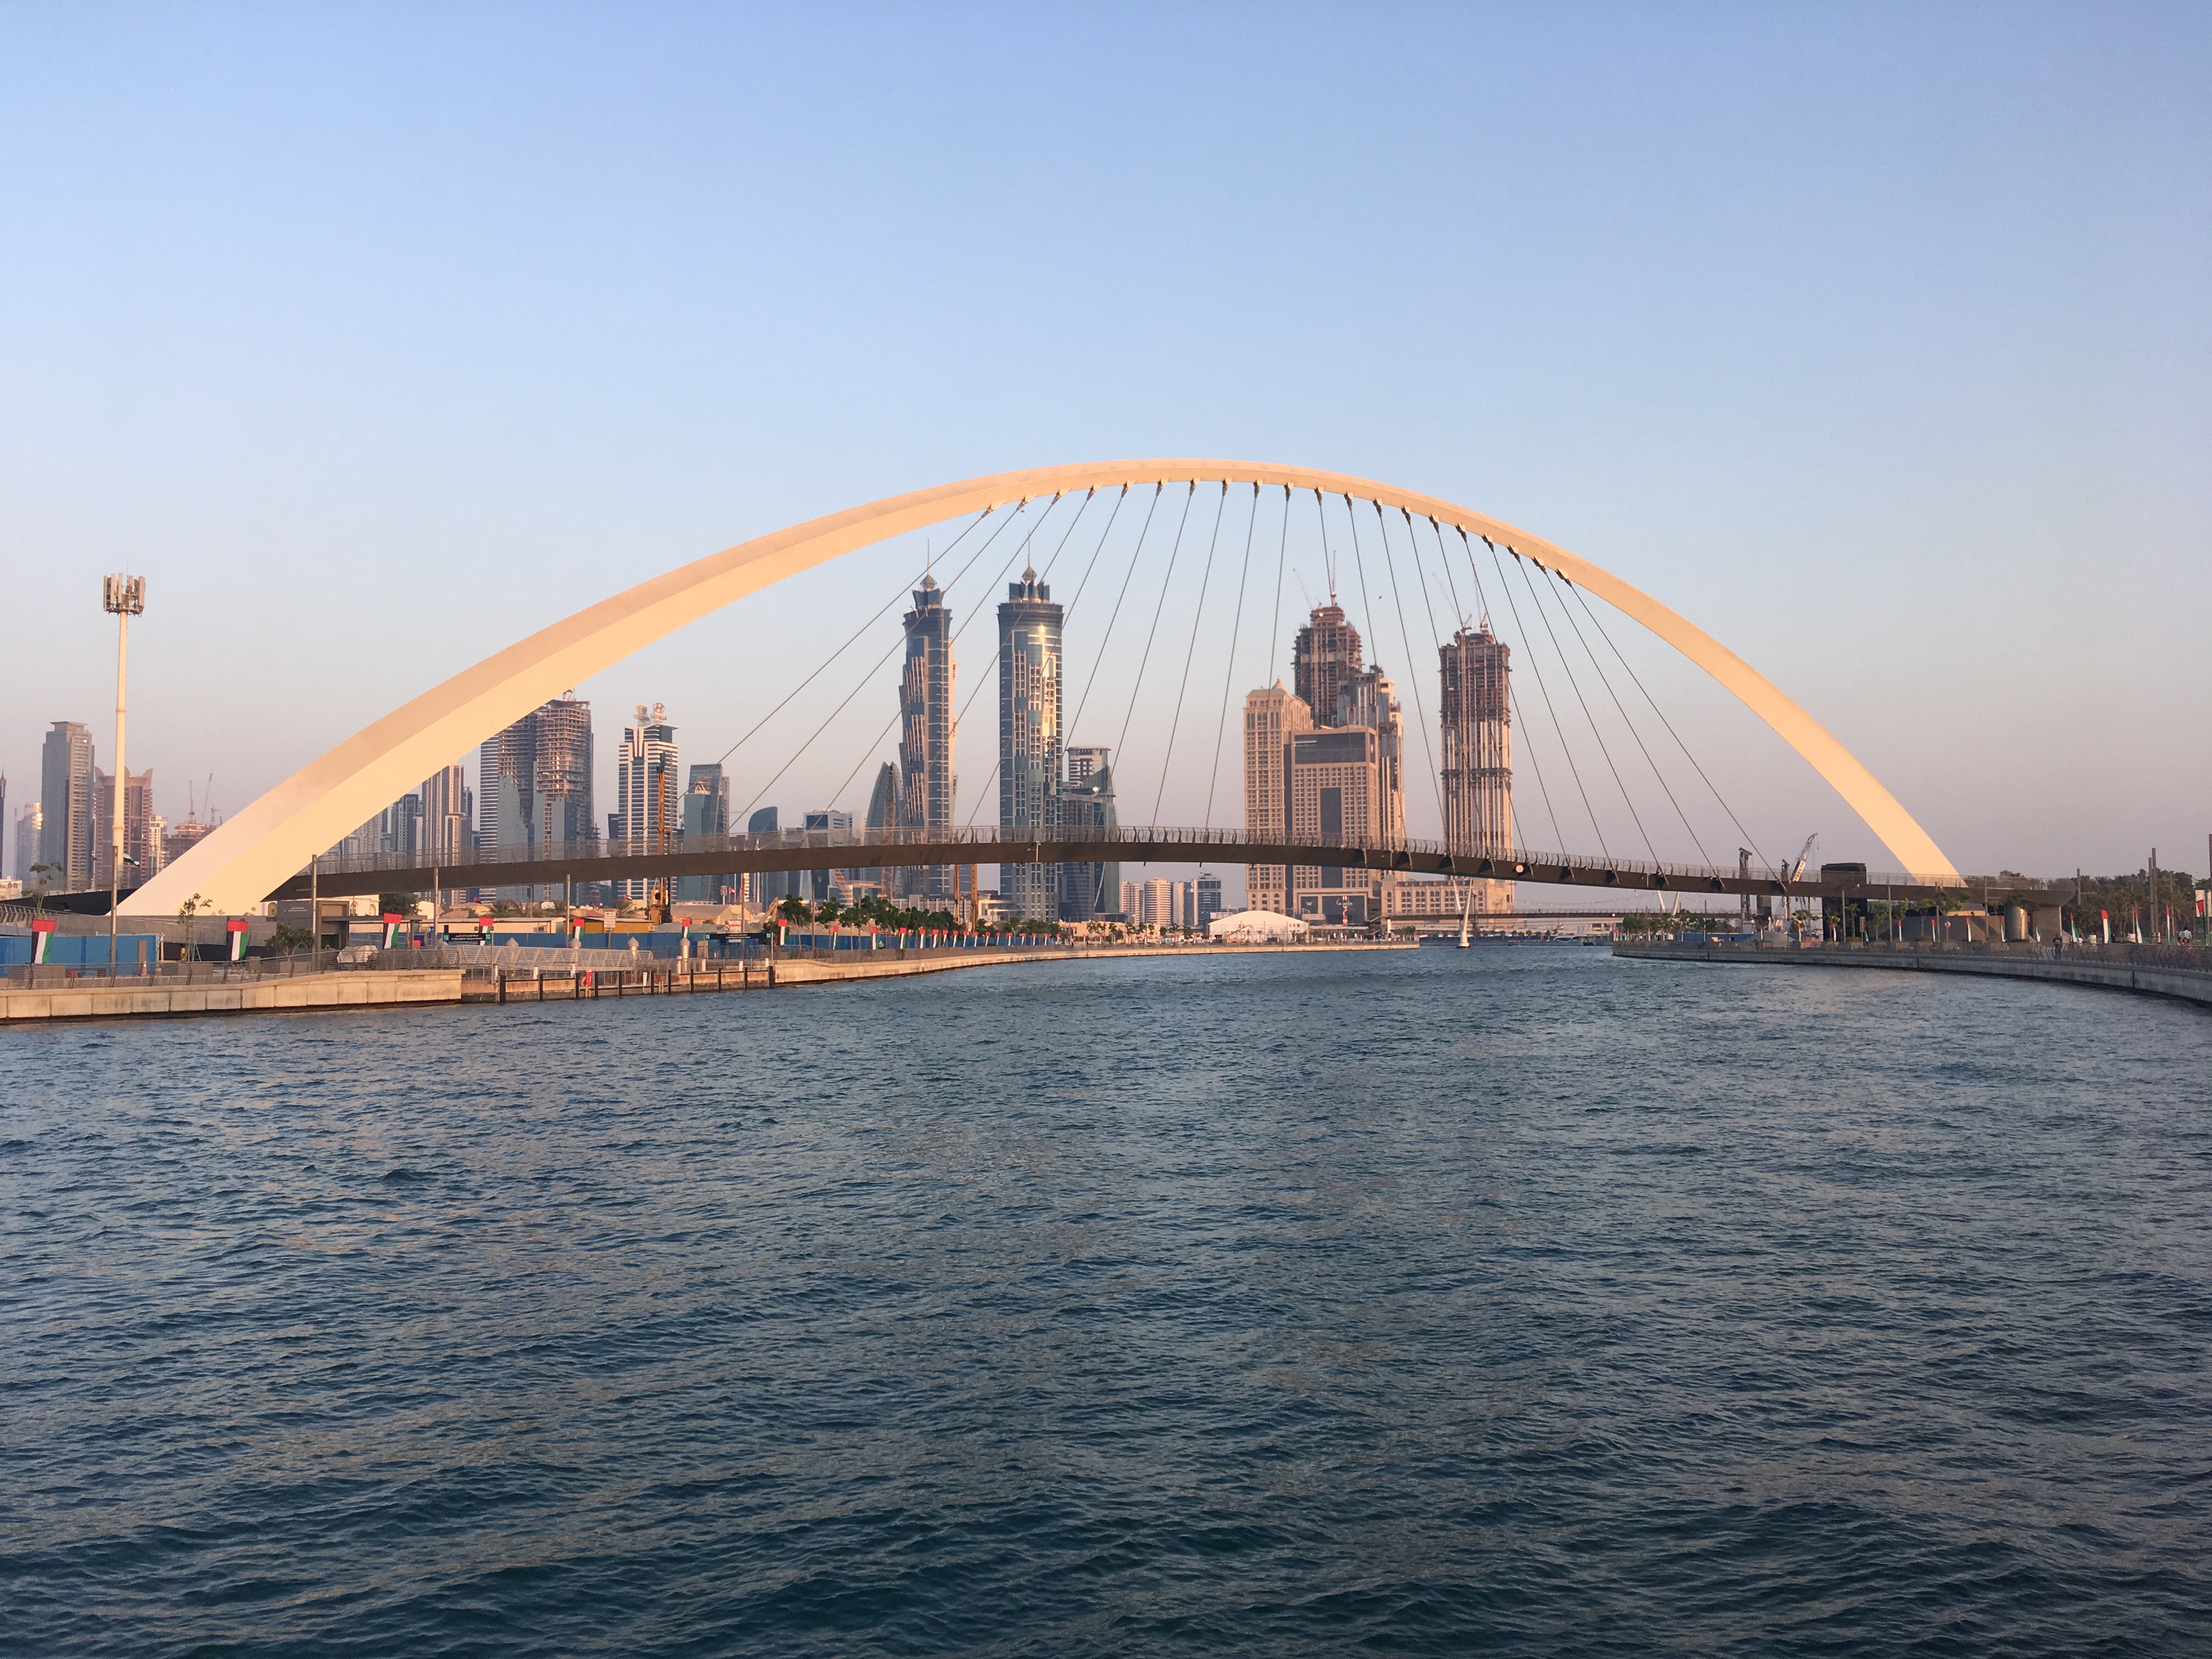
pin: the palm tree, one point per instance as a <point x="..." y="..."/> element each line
<point x="190" y="909"/>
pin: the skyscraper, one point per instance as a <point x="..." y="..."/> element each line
<point x="645" y="786"/>
<point x="763" y="888"/>
<point x="883" y="814"/>
<point x="706" y="812"/>
<point x="1153" y="898"/>
<point x="561" y="772"/>
<point x="1209" y="900"/>
<point x="1369" y="699"/>
<point x="926" y="735"/>
<point x="399" y="826"/>
<point x="1330" y="677"/>
<point x="1325" y="655"/>
<point x="825" y="818"/>
<point x="181" y="838"/>
<point x="1305" y="785"/>
<point x="442" y="831"/>
<point x="1271" y="717"/>
<point x="142" y="855"/>
<point x="534" y="779"/>
<point x="1086" y="802"/>
<point x="1478" y="753"/>
<point x="1335" y="790"/>
<point x="67" y="836"/>
<point x="1029" y="740"/>
<point x="28" y="829"/>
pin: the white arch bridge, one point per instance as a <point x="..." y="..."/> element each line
<point x="266" y="849"/>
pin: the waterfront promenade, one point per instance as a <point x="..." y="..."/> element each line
<point x="2151" y="971"/>
<point x="509" y="975"/>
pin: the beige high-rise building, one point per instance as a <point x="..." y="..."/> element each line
<point x="1155" y="904"/>
<point x="1478" y="754"/>
<point x="1271" y="718"/>
<point x="1369" y="699"/>
<point x="1309" y="785"/>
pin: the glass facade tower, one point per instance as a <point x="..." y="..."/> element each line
<point x="66" y="836"/>
<point x="1029" y="740"/>
<point x="925" y="736"/>
<point x="650" y="816"/>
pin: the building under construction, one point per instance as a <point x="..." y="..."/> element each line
<point x="1478" y="754"/>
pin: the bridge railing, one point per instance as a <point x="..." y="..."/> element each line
<point x="990" y="843"/>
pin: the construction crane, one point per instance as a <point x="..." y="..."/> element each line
<point x="1797" y="869"/>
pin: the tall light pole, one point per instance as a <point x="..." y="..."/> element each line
<point x="122" y="597"/>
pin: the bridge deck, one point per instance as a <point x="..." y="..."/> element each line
<point x="819" y="849"/>
<point x="518" y="866"/>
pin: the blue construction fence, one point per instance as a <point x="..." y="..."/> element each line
<point x="79" y="950"/>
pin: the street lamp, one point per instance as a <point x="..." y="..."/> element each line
<point x="122" y="598"/>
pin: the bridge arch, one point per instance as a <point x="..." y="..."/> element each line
<point x="257" y="849"/>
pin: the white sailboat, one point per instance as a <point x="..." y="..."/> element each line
<point x="1467" y="919"/>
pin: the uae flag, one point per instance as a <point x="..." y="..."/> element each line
<point x="391" y="927"/>
<point x="42" y="934"/>
<point x="237" y="926"/>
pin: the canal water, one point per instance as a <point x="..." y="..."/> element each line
<point x="1516" y="1299"/>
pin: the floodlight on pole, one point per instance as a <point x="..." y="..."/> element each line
<point x="122" y="598"/>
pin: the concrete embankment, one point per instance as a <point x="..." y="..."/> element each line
<point x="114" y="999"/>
<point x="557" y="982"/>
<point x="2150" y="979"/>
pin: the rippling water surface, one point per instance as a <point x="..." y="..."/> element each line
<point x="1516" y="1300"/>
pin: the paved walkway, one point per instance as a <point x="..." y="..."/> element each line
<point x="107" y="1000"/>
<point x="557" y="981"/>
<point x="2190" y="985"/>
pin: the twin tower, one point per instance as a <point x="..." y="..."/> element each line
<point x="1043" y="784"/>
<point x="1323" y="761"/>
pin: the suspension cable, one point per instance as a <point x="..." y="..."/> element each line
<point x="1604" y="680"/>
<point x="1166" y="582"/>
<point x="1459" y="626"/>
<point x="1282" y="551"/>
<point x="1413" y="670"/>
<point x="877" y="666"/>
<point x="1558" y="730"/>
<point x="993" y="773"/>
<point x="1197" y="615"/>
<point x="968" y="622"/>
<point x="1482" y="599"/>
<point x="895" y="597"/>
<point x="1098" y="662"/>
<point x="1366" y="603"/>
<point x="1512" y="700"/>
<point x="1102" y="535"/>
<point x="1596" y="623"/>
<point x="1575" y="685"/>
<point x="1229" y="674"/>
<point x="1443" y="562"/>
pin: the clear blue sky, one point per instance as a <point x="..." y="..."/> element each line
<point x="1872" y="339"/>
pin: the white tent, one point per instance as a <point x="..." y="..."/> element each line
<point x="1256" y="927"/>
